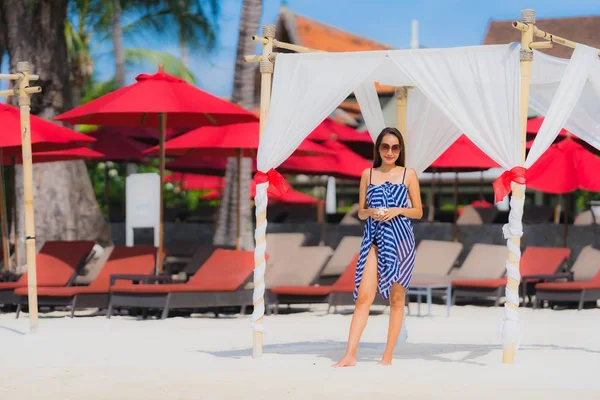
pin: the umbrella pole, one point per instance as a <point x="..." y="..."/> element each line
<point x="566" y="219"/>
<point x="238" y="183"/>
<point x="431" y="213"/>
<point x="107" y="191"/>
<point x="14" y="209"/>
<point x="455" y="225"/>
<point x="3" y="221"/>
<point x="161" y="231"/>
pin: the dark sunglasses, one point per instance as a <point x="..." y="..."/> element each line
<point x="386" y="147"/>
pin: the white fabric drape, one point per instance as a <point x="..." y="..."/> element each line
<point x="582" y="118"/>
<point x="370" y="108"/>
<point x="477" y="88"/>
<point x="560" y="102"/>
<point x="429" y="132"/>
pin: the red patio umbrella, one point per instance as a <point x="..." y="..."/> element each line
<point x="565" y="167"/>
<point x="226" y="141"/>
<point x="161" y="101"/>
<point x="78" y="153"/>
<point x="290" y="197"/>
<point x="117" y="147"/>
<point x="189" y="181"/>
<point x="534" y="125"/>
<point x="330" y="129"/>
<point x="462" y="156"/>
<point x="45" y="135"/>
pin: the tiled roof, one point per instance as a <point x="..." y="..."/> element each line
<point x="584" y="30"/>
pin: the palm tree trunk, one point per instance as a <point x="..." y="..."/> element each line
<point x="118" y="46"/>
<point x="243" y="94"/>
<point x="243" y="78"/>
<point x="64" y="200"/>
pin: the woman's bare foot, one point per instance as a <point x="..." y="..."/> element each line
<point x="346" y="361"/>
<point x="385" y="360"/>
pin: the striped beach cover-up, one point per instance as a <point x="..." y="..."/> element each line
<point x="394" y="239"/>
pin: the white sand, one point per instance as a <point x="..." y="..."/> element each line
<point x="208" y="358"/>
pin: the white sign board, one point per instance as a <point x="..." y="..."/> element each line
<point x="142" y="204"/>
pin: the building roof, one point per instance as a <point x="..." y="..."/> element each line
<point x="304" y="31"/>
<point x="584" y="30"/>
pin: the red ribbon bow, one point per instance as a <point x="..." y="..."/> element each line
<point x="502" y="184"/>
<point x="276" y="181"/>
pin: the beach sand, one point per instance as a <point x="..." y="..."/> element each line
<point x="202" y="357"/>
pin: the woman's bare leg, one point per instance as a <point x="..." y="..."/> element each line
<point x="366" y="296"/>
<point x="397" y="297"/>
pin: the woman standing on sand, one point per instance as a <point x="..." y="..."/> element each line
<point x="387" y="252"/>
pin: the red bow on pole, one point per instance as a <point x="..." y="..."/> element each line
<point x="502" y="184"/>
<point x="276" y="181"/>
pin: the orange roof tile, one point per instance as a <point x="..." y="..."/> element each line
<point x="320" y="36"/>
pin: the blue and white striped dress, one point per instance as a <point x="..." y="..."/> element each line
<point x="394" y="239"/>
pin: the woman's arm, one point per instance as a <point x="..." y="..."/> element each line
<point x="363" y="211"/>
<point x="414" y="192"/>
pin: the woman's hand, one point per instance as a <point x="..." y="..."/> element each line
<point x="374" y="213"/>
<point x="391" y="213"/>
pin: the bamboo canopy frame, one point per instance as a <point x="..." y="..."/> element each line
<point x="528" y="31"/>
<point x="24" y="91"/>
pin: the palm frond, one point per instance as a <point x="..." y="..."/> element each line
<point x="172" y="65"/>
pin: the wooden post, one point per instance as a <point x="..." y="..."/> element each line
<point x="24" y="105"/>
<point x="266" y="73"/>
<point x="161" y="227"/>
<point x="527" y="18"/>
<point x="401" y="104"/>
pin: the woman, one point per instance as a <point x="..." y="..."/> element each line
<point x="387" y="253"/>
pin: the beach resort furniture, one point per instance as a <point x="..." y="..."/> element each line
<point x="343" y="254"/>
<point x="58" y="263"/>
<point x="434" y="259"/>
<point x="585" y="287"/>
<point x="124" y="265"/>
<point x="219" y="282"/>
<point x="536" y="262"/>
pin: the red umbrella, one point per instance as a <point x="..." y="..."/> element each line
<point x="330" y="129"/>
<point x="534" y="125"/>
<point x="140" y="105"/>
<point x="463" y="155"/>
<point x="566" y="166"/>
<point x="78" y="153"/>
<point x="161" y="101"/>
<point x="45" y="135"/>
<point x="343" y="164"/>
<point x="290" y="197"/>
<point x="224" y="141"/>
<point x="195" y="181"/>
<point x="117" y="147"/>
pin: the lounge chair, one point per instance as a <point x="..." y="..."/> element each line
<point x="218" y="283"/>
<point x="434" y="259"/>
<point x="586" y="287"/>
<point x="535" y="262"/>
<point x="343" y="254"/>
<point x="123" y="262"/>
<point x="339" y="293"/>
<point x="57" y="264"/>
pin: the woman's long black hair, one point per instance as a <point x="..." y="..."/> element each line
<point x="377" y="161"/>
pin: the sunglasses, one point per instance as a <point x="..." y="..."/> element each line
<point x="386" y="147"/>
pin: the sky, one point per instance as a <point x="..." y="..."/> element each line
<point x="442" y="23"/>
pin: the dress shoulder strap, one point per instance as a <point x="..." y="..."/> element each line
<point x="370" y="175"/>
<point x="404" y="175"/>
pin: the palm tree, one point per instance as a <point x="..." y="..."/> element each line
<point x="65" y="205"/>
<point x="243" y="94"/>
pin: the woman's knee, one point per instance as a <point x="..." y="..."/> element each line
<point x="365" y="299"/>
<point x="397" y="298"/>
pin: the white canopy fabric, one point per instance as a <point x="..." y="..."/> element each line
<point x="475" y="90"/>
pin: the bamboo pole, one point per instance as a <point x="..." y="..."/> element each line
<point x="401" y="104"/>
<point x="525" y="27"/>
<point x="266" y="74"/>
<point x="518" y="191"/>
<point x="14" y="209"/>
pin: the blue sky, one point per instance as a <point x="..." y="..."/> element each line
<point x="442" y="23"/>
